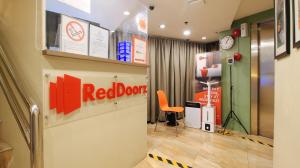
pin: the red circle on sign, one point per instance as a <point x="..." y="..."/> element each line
<point x="75" y="31"/>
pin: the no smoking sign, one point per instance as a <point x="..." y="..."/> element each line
<point x="75" y="31"/>
<point x="74" y="35"/>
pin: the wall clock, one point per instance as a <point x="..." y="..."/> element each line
<point x="226" y="42"/>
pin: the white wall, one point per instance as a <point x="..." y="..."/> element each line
<point x="287" y="111"/>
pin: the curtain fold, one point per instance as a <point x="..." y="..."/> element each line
<point x="171" y="70"/>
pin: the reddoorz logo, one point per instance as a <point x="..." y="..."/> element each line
<point x="65" y="94"/>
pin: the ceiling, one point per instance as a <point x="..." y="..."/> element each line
<point x="205" y="19"/>
<point x="250" y="7"/>
<point x="109" y="14"/>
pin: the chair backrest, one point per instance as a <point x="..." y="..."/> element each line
<point x="162" y="99"/>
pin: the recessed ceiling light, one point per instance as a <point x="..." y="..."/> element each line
<point x="162" y="26"/>
<point x="204" y="38"/>
<point x="126" y="13"/>
<point x="187" y="32"/>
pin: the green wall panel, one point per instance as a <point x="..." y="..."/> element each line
<point x="240" y="80"/>
<point x="241" y="72"/>
<point x="265" y="15"/>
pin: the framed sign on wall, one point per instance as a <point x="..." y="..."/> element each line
<point x="296" y="26"/>
<point x="139" y="50"/>
<point x="99" y="42"/>
<point x="282" y="28"/>
<point x="74" y="35"/>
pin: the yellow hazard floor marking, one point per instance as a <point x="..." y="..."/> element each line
<point x="257" y="141"/>
<point x="227" y="133"/>
<point x="168" y="161"/>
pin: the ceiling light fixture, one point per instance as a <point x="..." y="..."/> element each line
<point x="204" y="38"/>
<point x="162" y="26"/>
<point x="187" y="32"/>
<point x="126" y="13"/>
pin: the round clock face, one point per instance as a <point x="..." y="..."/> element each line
<point x="226" y="42"/>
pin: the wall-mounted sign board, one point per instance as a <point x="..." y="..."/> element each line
<point x="139" y="50"/>
<point x="142" y="22"/>
<point x="99" y="42"/>
<point x="72" y="96"/>
<point x="74" y="35"/>
<point x="124" y="51"/>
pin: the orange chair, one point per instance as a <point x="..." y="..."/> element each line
<point x="164" y="107"/>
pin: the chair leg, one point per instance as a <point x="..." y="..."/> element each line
<point x="183" y="120"/>
<point x="156" y="121"/>
<point x="166" y="120"/>
<point x="176" y="124"/>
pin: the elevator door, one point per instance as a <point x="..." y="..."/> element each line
<point x="266" y="79"/>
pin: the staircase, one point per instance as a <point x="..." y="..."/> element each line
<point x="25" y="112"/>
<point x="6" y="153"/>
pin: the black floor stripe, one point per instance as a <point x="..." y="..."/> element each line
<point x="180" y="165"/>
<point x="169" y="161"/>
<point x="260" y="142"/>
<point x="257" y="141"/>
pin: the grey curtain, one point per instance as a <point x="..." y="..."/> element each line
<point x="171" y="70"/>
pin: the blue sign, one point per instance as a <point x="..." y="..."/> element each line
<point x="124" y="51"/>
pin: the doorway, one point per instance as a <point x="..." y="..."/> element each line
<point x="262" y="79"/>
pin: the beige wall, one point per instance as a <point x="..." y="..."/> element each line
<point x="11" y="134"/>
<point x="96" y="137"/>
<point x="111" y="140"/>
<point x="17" y="36"/>
<point x="287" y="112"/>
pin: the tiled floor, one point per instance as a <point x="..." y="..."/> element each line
<point x="199" y="149"/>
